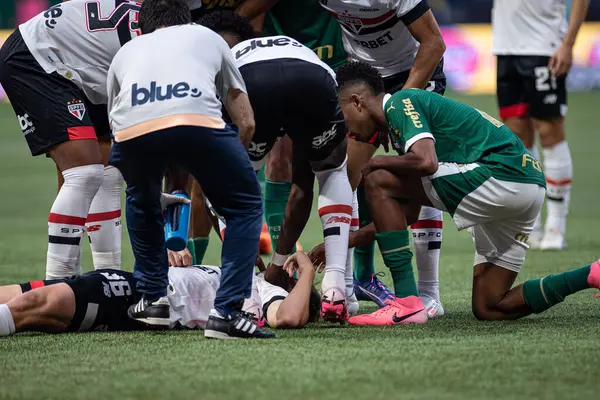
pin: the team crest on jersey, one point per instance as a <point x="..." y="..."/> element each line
<point x="354" y="24"/>
<point x="76" y="108"/>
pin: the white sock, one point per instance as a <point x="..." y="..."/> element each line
<point x="427" y="238"/>
<point x="66" y="222"/>
<point x="335" y="210"/>
<point x="103" y="223"/>
<point x="558" y="168"/>
<point x="537" y="225"/>
<point x="7" y="323"/>
<point x="349" y="277"/>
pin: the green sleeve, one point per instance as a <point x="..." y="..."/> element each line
<point x="407" y="119"/>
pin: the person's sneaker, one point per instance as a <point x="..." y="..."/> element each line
<point x="151" y="311"/>
<point x="239" y="326"/>
<point x="553" y="239"/>
<point x="594" y="276"/>
<point x="334" y="306"/>
<point x="407" y="310"/>
<point x="373" y="290"/>
<point x="433" y="307"/>
<point x="265" y="246"/>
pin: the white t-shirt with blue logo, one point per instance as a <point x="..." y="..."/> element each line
<point x="184" y="69"/>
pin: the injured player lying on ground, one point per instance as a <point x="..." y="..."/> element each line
<point x="98" y="300"/>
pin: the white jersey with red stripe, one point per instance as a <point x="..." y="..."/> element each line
<point x="531" y="27"/>
<point x="192" y="292"/>
<point x="375" y="31"/>
<point x="78" y="39"/>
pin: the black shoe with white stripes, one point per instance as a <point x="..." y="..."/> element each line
<point x="151" y="311"/>
<point x="239" y="326"/>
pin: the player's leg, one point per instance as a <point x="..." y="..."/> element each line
<point x="47" y="309"/>
<point x="52" y="114"/>
<point x="335" y="210"/>
<point x="278" y="185"/>
<point x="142" y="162"/>
<point x="393" y="201"/>
<point x="351" y="286"/>
<point x="364" y="256"/>
<point x="514" y="112"/>
<point x="234" y="193"/>
<point x="548" y="98"/>
<point x="9" y="292"/>
<point x="103" y="224"/>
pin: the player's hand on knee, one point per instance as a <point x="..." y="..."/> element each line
<point x="181" y="258"/>
<point x="317" y="257"/>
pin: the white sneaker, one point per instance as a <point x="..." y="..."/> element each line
<point x="535" y="239"/>
<point x="553" y="240"/>
<point x="434" y="308"/>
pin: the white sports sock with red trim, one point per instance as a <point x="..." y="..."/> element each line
<point x="558" y="168"/>
<point x="335" y="210"/>
<point x="103" y="223"/>
<point x="354" y="225"/>
<point x="66" y="222"/>
<point x="427" y="237"/>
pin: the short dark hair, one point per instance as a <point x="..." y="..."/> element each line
<point x="230" y="22"/>
<point x="161" y="13"/>
<point x="359" y="72"/>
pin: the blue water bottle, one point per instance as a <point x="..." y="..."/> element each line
<point x="177" y="224"/>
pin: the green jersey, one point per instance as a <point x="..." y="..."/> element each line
<point x="307" y="22"/>
<point x="463" y="135"/>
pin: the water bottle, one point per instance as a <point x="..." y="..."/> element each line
<point x="177" y="224"/>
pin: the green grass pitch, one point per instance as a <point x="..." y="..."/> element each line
<point x="549" y="356"/>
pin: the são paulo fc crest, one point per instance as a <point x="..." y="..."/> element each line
<point x="354" y="24"/>
<point x="76" y="108"/>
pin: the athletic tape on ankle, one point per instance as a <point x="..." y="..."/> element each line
<point x="279" y="259"/>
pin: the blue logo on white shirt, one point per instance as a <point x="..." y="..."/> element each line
<point x="142" y="95"/>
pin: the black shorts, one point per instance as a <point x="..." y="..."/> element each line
<point x="102" y="298"/>
<point x="50" y="108"/>
<point x="437" y="84"/>
<point x="525" y="87"/>
<point x="297" y="98"/>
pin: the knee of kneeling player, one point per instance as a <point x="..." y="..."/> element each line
<point x="484" y="311"/>
<point x="376" y="181"/>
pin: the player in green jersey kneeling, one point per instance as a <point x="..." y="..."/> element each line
<point x="462" y="161"/>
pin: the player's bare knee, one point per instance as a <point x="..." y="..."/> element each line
<point x="483" y="310"/>
<point x="377" y="182"/>
<point x="278" y="168"/>
<point x="76" y="153"/>
<point x="551" y="131"/>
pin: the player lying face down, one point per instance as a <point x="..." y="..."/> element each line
<point x="98" y="300"/>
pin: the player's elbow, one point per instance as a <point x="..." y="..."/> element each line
<point x="436" y="46"/>
<point x="290" y="321"/>
<point x="429" y="166"/>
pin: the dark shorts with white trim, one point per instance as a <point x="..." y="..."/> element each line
<point x="50" y="108"/>
<point x="102" y="298"/>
